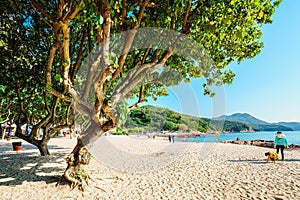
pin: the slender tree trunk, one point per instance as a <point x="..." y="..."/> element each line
<point x="43" y="148"/>
<point x="3" y="133"/>
<point x="40" y="144"/>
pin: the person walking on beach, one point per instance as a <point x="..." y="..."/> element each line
<point x="280" y="143"/>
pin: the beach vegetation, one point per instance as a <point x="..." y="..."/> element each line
<point x="25" y="100"/>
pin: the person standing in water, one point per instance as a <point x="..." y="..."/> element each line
<point x="280" y="143"/>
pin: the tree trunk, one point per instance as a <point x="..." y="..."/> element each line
<point x="40" y="144"/>
<point x="3" y="133"/>
<point x="43" y="148"/>
<point x="75" y="172"/>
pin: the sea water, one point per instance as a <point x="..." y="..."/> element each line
<point x="293" y="137"/>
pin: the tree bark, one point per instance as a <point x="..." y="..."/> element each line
<point x="43" y="148"/>
<point x="32" y="139"/>
<point x="75" y="172"/>
<point x="3" y="133"/>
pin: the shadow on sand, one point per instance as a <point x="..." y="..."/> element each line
<point x="28" y="165"/>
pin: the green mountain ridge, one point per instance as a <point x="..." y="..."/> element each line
<point x="260" y="124"/>
<point x="244" y="118"/>
<point x="152" y="118"/>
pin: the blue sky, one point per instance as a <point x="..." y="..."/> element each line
<point x="267" y="86"/>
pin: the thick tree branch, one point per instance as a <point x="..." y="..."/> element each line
<point x="59" y="95"/>
<point x="60" y="9"/>
<point x="7" y="113"/>
<point x="127" y="45"/>
<point x="79" y="56"/>
<point x="92" y="75"/>
<point x="140" y="100"/>
<point x="129" y="40"/>
<point x="185" y="27"/>
<point x="106" y="70"/>
<point x="52" y="131"/>
<point x="94" y="131"/>
<point x="124" y="14"/>
<point x="135" y="77"/>
<point x="71" y="15"/>
<point x="17" y="88"/>
<point x="48" y="75"/>
<point x="53" y="111"/>
<point x="141" y="12"/>
<point x="149" y="5"/>
<point x="66" y="55"/>
<point x="80" y="105"/>
<point x="67" y="113"/>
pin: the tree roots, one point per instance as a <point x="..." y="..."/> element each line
<point x="75" y="174"/>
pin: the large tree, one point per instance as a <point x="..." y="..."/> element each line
<point x="24" y="45"/>
<point x="130" y="64"/>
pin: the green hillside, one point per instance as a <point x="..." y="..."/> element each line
<point x="156" y="119"/>
<point x="150" y="118"/>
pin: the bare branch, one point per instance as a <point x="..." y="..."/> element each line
<point x="30" y="99"/>
<point x="141" y="12"/>
<point x="43" y="14"/>
<point x="42" y="122"/>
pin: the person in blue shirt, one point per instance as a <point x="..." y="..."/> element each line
<point x="280" y="143"/>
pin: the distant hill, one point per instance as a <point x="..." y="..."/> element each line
<point x="244" y="118"/>
<point x="293" y="125"/>
<point x="260" y="125"/>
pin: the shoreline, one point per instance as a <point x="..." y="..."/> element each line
<point x="260" y="143"/>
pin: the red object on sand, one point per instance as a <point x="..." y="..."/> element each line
<point x="17" y="146"/>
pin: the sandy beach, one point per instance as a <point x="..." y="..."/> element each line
<point x="140" y="168"/>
